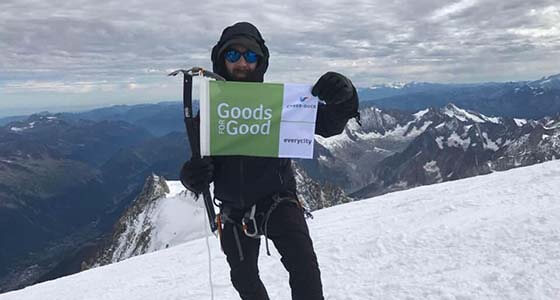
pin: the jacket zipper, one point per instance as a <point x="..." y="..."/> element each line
<point x="241" y="183"/>
<point x="281" y="179"/>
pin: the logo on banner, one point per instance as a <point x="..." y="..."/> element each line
<point x="236" y="120"/>
<point x="302" y="104"/>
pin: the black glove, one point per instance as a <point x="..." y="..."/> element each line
<point x="196" y="174"/>
<point x="333" y="88"/>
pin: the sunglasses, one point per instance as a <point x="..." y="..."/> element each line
<point x="233" y="55"/>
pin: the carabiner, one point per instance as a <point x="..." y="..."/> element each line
<point x="245" y="225"/>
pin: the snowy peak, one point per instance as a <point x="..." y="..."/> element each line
<point x="398" y="85"/>
<point x="164" y="214"/>
<point x="347" y="159"/>
<point x="315" y="195"/>
<point x="35" y="121"/>
<point x="547" y="83"/>
<point x="394" y="150"/>
<point x="393" y="85"/>
<point x="459" y="143"/>
<point x="552" y="123"/>
<point x="464" y="115"/>
<point x="376" y="120"/>
<point x="451" y="116"/>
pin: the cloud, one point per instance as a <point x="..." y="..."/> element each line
<point x="81" y="47"/>
<point x="452" y="9"/>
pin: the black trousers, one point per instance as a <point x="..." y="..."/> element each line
<point x="288" y="231"/>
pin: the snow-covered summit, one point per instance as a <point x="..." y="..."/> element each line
<point x="163" y="215"/>
<point x="462" y="142"/>
<point x="488" y="237"/>
<point x="464" y="115"/>
<point x="32" y="122"/>
<point x="548" y="82"/>
<point x="397" y="85"/>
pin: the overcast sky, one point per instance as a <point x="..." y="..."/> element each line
<point x="70" y="54"/>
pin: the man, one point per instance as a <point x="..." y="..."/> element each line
<point x="265" y="187"/>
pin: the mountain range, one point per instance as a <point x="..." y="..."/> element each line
<point x="522" y="99"/>
<point x="64" y="183"/>
<point x="492" y="236"/>
<point x="67" y="180"/>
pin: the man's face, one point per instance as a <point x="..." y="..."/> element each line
<point x="240" y="69"/>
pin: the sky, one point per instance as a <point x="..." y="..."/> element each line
<point x="67" y="55"/>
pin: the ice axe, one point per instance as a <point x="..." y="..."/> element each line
<point x="191" y="129"/>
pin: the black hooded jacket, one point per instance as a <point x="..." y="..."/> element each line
<point x="241" y="181"/>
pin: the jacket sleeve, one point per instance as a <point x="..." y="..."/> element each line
<point x="332" y="118"/>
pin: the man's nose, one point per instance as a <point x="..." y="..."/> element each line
<point x="242" y="61"/>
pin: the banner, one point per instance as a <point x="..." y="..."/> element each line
<point x="257" y="119"/>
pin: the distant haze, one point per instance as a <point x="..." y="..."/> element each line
<point x="81" y="53"/>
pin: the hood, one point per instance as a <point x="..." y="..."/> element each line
<point x="241" y="29"/>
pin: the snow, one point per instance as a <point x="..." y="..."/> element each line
<point x="367" y="135"/>
<point x="552" y="126"/>
<point x="396" y="85"/>
<point x="489" y="143"/>
<point x="421" y="113"/>
<point x="495" y="236"/>
<point x="464" y="115"/>
<point x="175" y="188"/>
<point x="354" y="130"/>
<point x="164" y="222"/>
<point x="20" y="129"/>
<point x="439" y="141"/>
<point x="333" y="142"/>
<point x="170" y="221"/>
<point x="398" y="133"/>
<point x="414" y="132"/>
<point x="455" y="140"/>
<point x="432" y="169"/>
<point x="461" y="114"/>
<point x="495" y="120"/>
<point x="520" y="122"/>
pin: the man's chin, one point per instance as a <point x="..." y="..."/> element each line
<point x="240" y="76"/>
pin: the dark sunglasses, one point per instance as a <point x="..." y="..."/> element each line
<point x="234" y="55"/>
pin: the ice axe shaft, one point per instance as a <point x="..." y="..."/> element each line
<point x="192" y="135"/>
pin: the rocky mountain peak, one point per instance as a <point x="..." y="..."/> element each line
<point x="132" y="233"/>
<point x="464" y="115"/>
<point x="460" y="143"/>
<point x="34" y="122"/>
<point x="548" y="82"/>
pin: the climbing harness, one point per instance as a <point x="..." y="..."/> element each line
<point x="253" y="223"/>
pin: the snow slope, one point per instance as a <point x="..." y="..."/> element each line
<point x="488" y="237"/>
<point x="155" y="224"/>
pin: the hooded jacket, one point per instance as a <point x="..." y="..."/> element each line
<point x="241" y="181"/>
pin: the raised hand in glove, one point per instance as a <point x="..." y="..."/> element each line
<point x="333" y="88"/>
<point x="196" y="174"/>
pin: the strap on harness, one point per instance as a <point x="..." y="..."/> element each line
<point x="249" y="225"/>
